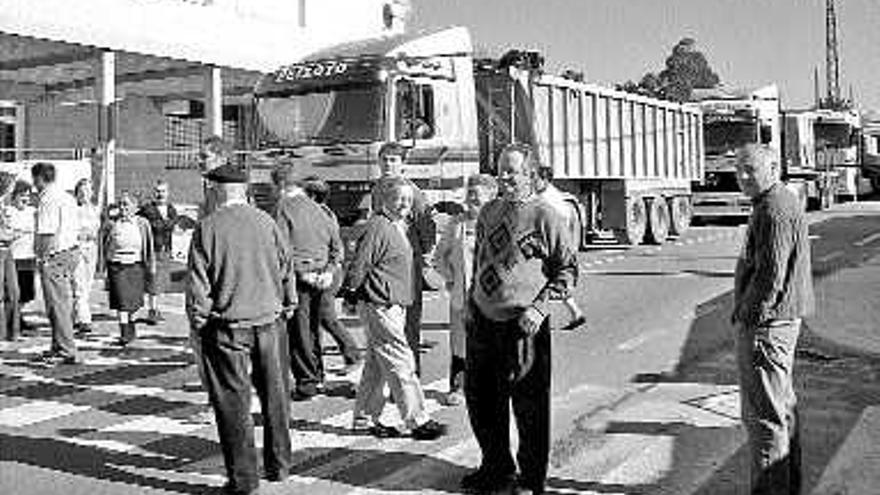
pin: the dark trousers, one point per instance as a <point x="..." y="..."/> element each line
<point x="56" y="274"/>
<point x="226" y="354"/>
<point x="504" y="367"/>
<point x="10" y="315"/>
<point x="304" y="334"/>
<point x="330" y="322"/>
<point x="413" y="328"/>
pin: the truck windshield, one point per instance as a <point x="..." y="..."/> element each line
<point x="340" y="114"/>
<point x="833" y="135"/>
<point x="723" y="137"/>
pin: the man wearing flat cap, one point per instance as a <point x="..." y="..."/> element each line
<point x="240" y="286"/>
<point x="316" y="254"/>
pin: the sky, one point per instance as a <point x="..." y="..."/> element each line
<point x="747" y="42"/>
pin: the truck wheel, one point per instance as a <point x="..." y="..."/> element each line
<point x="680" y="214"/>
<point x="658" y="221"/>
<point x="575" y="228"/>
<point x="636" y="222"/>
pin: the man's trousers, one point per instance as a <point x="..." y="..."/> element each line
<point x="505" y="367"/>
<point x="388" y="360"/>
<point x="56" y="274"/>
<point x="304" y="334"/>
<point x="227" y="354"/>
<point x="765" y="359"/>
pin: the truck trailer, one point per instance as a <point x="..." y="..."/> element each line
<point x="625" y="162"/>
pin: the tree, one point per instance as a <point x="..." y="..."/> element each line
<point x="686" y="69"/>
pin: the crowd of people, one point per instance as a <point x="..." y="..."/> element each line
<point x="65" y="238"/>
<point x="260" y="288"/>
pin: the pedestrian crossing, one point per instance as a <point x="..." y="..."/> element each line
<point x="128" y="412"/>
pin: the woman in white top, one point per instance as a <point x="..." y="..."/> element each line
<point x="89" y="220"/>
<point x="131" y="265"/>
<point x="20" y="215"/>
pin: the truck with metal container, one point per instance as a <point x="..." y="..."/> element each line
<point x="625" y="162"/>
<point x="732" y="119"/>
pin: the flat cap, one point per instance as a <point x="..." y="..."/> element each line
<point x="226" y="174"/>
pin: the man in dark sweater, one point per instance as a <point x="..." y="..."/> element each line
<point x="316" y="251"/>
<point x="523" y="258"/>
<point x="773" y="291"/>
<point x="379" y="278"/>
<point x="240" y="282"/>
<point x="162" y="217"/>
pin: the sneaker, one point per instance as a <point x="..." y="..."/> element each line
<point x="453" y="399"/>
<point x="575" y="323"/>
<point x="485" y="481"/>
<point x="57" y="359"/>
<point x="379" y="430"/>
<point x="430" y="430"/>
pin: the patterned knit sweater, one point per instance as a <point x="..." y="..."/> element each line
<point x="523" y="257"/>
<point x="773" y="275"/>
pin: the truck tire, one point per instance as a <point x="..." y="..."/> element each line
<point x="575" y="227"/>
<point x="681" y="211"/>
<point x="636" y="222"/>
<point x="658" y="221"/>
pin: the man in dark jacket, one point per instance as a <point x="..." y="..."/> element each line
<point x="240" y="284"/>
<point x="316" y="254"/>
<point x="773" y="292"/>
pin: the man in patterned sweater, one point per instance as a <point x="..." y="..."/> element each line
<point x="523" y="258"/>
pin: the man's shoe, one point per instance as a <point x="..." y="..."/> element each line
<point x="57" y="359"/>
<point x="453" y="398"/>
<point x="154" y="316"/>
<point x="484" y="480"/>
<point x="351" y="367"/>
<point x="430" y="430"/>
<point x="381" y="431"/>
<point x="304" y="393"/>
<point x="82" y="329"/>
<point x="575" y="324"/>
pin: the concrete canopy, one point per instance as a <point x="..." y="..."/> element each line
<point x="32" y="68"/>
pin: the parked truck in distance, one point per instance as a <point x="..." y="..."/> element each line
<point x="625" y="162"/>
<point x="871" y="151"/>
<point x="838" y="142"/>
<point x="732" y="119"/>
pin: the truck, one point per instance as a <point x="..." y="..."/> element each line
<point x="732" y="119"/>
<point x="838" y="142"/>
<point x="871" y="152"/>
<point x="625" y="162"/>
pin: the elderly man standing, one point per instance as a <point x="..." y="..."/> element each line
<point x="240" y="283"/>
<point x="422" y="233"/>
<point x="523" y="258"/>
<point x="773" y="292"/>
<point x="316" y="251"/>
<point x="57" y="253"/>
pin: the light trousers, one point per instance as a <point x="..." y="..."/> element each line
<point x="389" y="359"/>
<point x="83" y="275"/>
<point x="765" y="359"/>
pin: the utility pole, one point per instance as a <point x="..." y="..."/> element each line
<point x="832" y="59"/>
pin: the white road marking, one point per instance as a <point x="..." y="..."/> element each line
<point x="831" y="256"/>
<point x="37" y="411"/>
<point x="867" y="240"/>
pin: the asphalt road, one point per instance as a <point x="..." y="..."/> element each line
<point x="644" y="397"/>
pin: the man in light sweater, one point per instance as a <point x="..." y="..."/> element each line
<point x="523" y="259"/>
<point x="240" y="284"/>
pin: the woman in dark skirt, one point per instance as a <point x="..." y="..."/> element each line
<point x="131" y="265"/>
